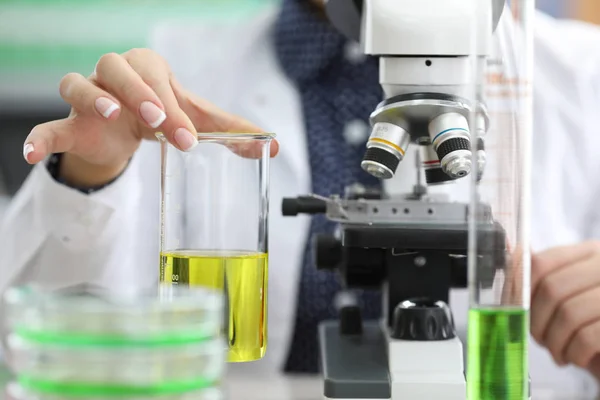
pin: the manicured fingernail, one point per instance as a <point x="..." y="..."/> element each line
<point x="153" y="115"/>
<point x="106" y="106"/>
<point x="185" y="139"/>
<point x="27" y="149"/>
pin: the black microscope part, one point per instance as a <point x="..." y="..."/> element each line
<point x="350" y="321"/>
<point x="408" y="260"/>
<point x="328" y="252"/>
<point x="290" y="207"/>
<point x="422" y="320"/>
<point x="480" y="144"/>
<point x="383" y="157"/>
<point x="436" y="175"/>
<point x="452" y="145"/>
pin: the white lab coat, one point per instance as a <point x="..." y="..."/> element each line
<point x="60" y="237"/>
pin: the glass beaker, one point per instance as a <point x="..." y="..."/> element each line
<point x="499" y="234"/>
<point x="214" y="228"/>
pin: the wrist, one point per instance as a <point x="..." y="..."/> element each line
<point x="76" y="172"/>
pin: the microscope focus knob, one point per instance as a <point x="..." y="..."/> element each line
<point x="328" y="252"/>
<point x="422" y="320"/>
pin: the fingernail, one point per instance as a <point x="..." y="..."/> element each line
<point x="153" y="115"/>
<point x="185" y="139"/>
<point x="106" y="106"/>
<point x="27" y="149"/>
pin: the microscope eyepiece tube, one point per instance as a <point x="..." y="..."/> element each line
<point x="385" y="149"/>
<point x="451" y="140"/>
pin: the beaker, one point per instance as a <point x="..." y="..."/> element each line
<point x="499" y="232"/>
<point x="214" y="229"/>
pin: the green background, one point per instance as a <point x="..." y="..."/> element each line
<point x="69" y="35"/>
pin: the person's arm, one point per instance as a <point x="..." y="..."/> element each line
<point x="565" y="281"/>
<point x="60" y="237"/>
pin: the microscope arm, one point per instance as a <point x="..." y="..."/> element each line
<point x="426" y="50"/>
<point x="346" y="15"/>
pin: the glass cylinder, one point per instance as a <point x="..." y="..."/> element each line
<point x="499" y="234"/>
<point x="214" y="229"/>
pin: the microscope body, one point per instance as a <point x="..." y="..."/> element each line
<point x="413" y="248"/>
<point x="432" y="56"/>
<point x="425" y="46"/>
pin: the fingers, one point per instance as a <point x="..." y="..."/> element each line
<point x="89" y="99"/>
<point x="512" y="290"/>
<point x="177" y="128"/>
<point x="570" y="316"/>
<point x="584" y="346"/>
<point x="51" y="137"/>
<point x="558" y="287"/>
<point x="115" y="75"/>
<point x="140" y="83"/>
<point x="564" y="312"/>
<point x="545" y="263"/>
<point x="208" y="118"/>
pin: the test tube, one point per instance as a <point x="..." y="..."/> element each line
<point x="214" y="229"/>
<point x="499" y="233"/>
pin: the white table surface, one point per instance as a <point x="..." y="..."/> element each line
<point x="244" y="384"/>
<point x="248" y="384"/>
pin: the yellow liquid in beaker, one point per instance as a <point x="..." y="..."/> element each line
<point x="246" y="275"/>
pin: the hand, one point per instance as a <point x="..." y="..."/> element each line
<point x="565" y="307"/>
<point x="128" y="98"/>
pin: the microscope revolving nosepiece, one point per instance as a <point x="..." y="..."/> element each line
<point x="451" y="140"/>
<point x="385" y="149"/>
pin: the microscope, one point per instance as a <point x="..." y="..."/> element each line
<point x="413" y="248"/>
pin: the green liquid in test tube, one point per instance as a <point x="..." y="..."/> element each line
<point x="498" y="354"/>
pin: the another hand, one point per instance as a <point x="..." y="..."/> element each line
<point x="565" y="308"/>
<point x="128" y="98"/>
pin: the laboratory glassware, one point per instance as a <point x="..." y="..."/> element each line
<point x="499" y="267"/>
<point x="214" y="229"/>
<point x="131" y="344"/>
<point x="15" y="392"/>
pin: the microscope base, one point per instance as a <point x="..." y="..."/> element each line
<point x="357" y="367"/>
<point x="354" y="367"/>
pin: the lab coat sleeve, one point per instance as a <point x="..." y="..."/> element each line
<point x="58" y="237"/>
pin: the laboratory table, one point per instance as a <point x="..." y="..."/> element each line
<point x="246" y="384"/>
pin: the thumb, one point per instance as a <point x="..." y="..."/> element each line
<point x="51" y="137"/>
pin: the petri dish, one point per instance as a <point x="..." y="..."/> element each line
<point x="153" y="317"/>
<point x="195" y="365"/>
<point x="16" y="392"/>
